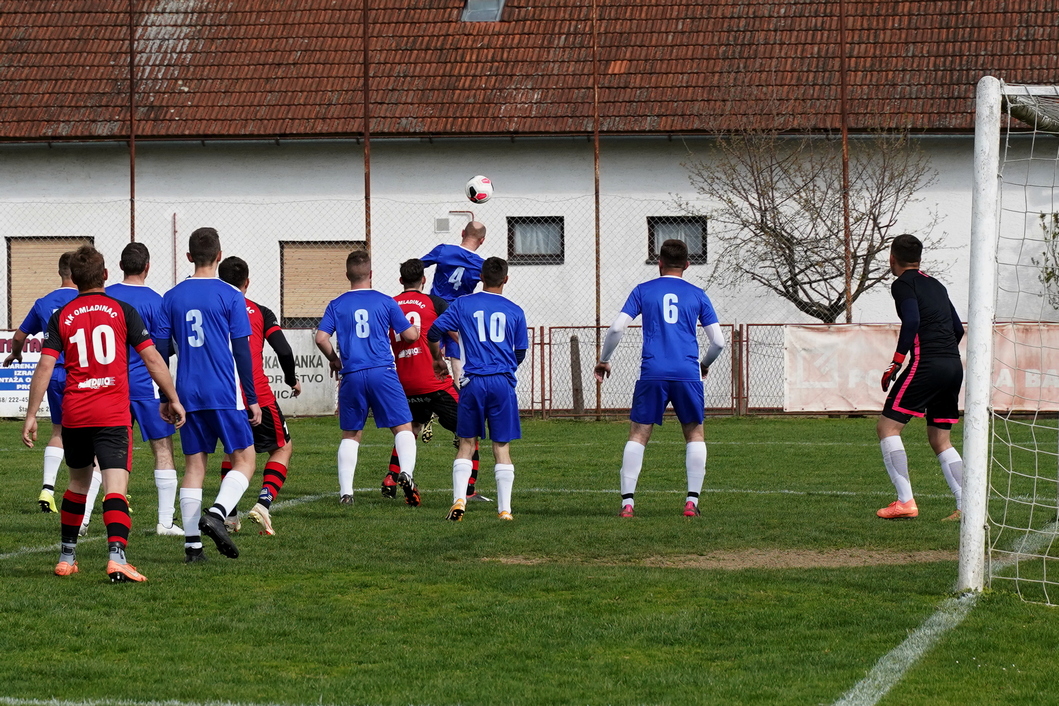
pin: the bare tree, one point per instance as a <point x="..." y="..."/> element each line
<point x="778" y="213"/>
<point x="1048" y="262"/>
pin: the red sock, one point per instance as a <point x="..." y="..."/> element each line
<point x="395" y="463"/>
<point x="225" y="467"/>
<point x="275" y="477"/>
<point x="116" y="517"/>
<point x="71" y="515"/>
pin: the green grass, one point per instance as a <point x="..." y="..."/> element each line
<point x="384" y="604"/>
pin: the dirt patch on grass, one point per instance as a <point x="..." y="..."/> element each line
<point x="757" y="559"/>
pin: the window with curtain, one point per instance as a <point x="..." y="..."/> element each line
<point x="535" y="240"/>
<point x="690" y="229"/>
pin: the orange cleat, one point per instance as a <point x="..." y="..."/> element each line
<point x="505" y="515"/>
<point x="898" y="510"/>
<point x="626" y="511"/>
<point x="954" y="517"/>
<point x="120" y="573"/>
<point x="65" y="568"/>
<point x="457" y="510"/>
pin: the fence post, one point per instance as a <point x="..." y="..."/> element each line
<point x="737" y="367"/>
<point x="577" y="388"/>
<point x="544" y="385"/>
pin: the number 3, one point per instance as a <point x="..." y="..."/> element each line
<point x="194" y="317"/>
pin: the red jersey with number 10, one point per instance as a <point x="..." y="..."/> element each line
<point x="415" y="364"/>
<point x="95" y="331"/>
<point x="262" y="323"/>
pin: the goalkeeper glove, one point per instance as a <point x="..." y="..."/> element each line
<point x="891" y="371"/>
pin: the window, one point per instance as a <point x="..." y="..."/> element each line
<point x="33" y="271"/>
<point x="312" y="273"/>
<point x="482" y="10"/>
<point x="690" y="229"/>
<point x="535" y="240"/>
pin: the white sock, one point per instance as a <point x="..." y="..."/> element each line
<point x="896" y="462"/>
<point x="631" y="462"/>
<point x="461" y="474"/>
<point x="505" y="478"/>
<point x="952" y="467"/>
<point x="190" y="511"/>
<point x="232" y="488"/>
<point x="405" y="443"/>
<point x="348" y="450"/>
<point x="93" y="491"/>
<point x="166" y="482"/>
<point x="53" y="458"/>
<point x="695" y="464"/>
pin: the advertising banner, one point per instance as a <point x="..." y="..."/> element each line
<point x="14" y="381"/>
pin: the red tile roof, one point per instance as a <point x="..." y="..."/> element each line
<point x="249" y="68"/>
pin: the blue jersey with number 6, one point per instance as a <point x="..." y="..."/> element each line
<point x="491" y="328"/>
<point x="202" y="315"/>
<point x="362" y="319"/>
<point x="670" y="307"/>
<point x="458" y="271"/>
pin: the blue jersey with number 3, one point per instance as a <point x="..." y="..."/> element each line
<point x="670" y="307"/>
<point x="202" y="315"/>
<point x="362" y="319"/>
<point x="491" y="328"/>
<point x="458" y="271"/>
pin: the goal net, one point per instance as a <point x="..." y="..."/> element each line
<point x="1010" y="533"/>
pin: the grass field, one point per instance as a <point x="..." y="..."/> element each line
<point x="787" y="590"/>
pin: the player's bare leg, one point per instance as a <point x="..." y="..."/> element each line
<point x="53" y="458"/>
<point x="896" y="461"/>
<point x="461" y="473"/>
<point x="275" y="477"/>
<point x="631" y="463"/>
<point x="165" y="480"/>
<point x="694" y="464"/>
<point x="951" y="465"/>
<point x="191" y="505"/>
<point x="504" y="471"/>
<point x="456" y="368"/>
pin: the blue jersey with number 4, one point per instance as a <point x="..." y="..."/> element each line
<point x="491" y="328"/>
<point x="670" y="307"/>
<point x="202" y="315"/>
<point x="147" y="304"/>
<point x="458" y="271"/>
<point x="362" y="319"/>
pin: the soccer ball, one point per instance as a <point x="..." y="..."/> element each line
<point x="479" y="189"/>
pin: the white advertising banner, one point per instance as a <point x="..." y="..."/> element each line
<point x="14" y="381"/>
<point x="838" y="368"/>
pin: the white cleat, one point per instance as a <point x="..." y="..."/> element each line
<point x="83" y="531"/>
<point x="259" y="514"/>
<point x="172" y="530"/>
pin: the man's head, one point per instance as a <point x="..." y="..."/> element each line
<point x="412" y="276"/>
<point x="494" y="272"/>
<point x="673" y="255"/>
<point x="64" y="265"/>
<point x="204" y="247"/>
<point x="87" y="268"/>
<point x="905" y="253"/>
<point x="473" y="235"/>
<point x="134" y="259"/>
<point x="235" y="272"/>
<point x="358" y="267"/>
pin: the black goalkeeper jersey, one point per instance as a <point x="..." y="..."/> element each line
<point x="939" y="330"/>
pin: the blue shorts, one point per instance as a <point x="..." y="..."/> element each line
<point x="204" y="427"/>
<point x="56" y="387"/>
<point x="152" y="426"/>
<point x="488" y="398"/>
<point x="651" y="397"/>
<point x="377" y="388"/>
<point x="450" y="348"/>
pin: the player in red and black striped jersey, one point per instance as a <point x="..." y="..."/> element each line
<point x="271" y="436"/>
<point x="423" y="375"/>
<point x="94" y="333"/>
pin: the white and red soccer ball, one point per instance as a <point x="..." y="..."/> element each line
<point x="479" y="189"/>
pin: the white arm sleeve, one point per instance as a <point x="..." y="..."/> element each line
<point x="713" y="332"/>
<point x="617" y="330"/>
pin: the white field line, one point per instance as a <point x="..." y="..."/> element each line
<point x="8" y="701"/>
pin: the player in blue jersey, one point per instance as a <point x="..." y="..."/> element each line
<point x="671" y="370"/>
<point x="207" y="321"/>
<point x="143" y="394"/>
<point x="459" y="269"/>
<point x="361" y="319"/>
<point x="492" y="333"/>
<point x="36" y="321"/>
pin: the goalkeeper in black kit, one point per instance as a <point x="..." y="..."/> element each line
<point x="929" y="385"/>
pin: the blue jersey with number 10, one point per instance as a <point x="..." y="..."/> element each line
<point x="362" y="319"/>
<point x="458" y="271"/>
<point x="491" y="328"/>
<point x="202" y="315"/>
<point x="670" y="307"/>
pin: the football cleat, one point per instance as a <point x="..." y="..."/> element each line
<point x="214" y="527"/>
<point x="46" y="499"/>
<point x="954" y="517"/>
<point x="232" y="523"/>
<point x="389" y="485"/>
<point x="122" y="573"/>
<point x="83" y="531"/>
<point x="428" y="430"/>
<point x="457" y="510"/>
<point x="259" y="514"/>
<point x="691" y="509"/>
<point x="194" y="555"/>
<point x="411" y="492"/>
<point x="626" y="511"/>
<point x="345" y="500"/>
<point x="475" y="496"/>
<point x="505" y="515"/>
<point x="898" y="510"/>
<point x="65" y="568"/>
<point x="173" y="530"/>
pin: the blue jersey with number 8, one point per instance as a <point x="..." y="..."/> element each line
<point x="458" y="271"/>
<point x="202" y="315"/>
<point x="362" y="319"/>
<point x="670" y="307"/>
